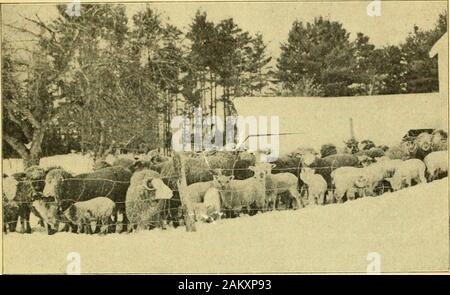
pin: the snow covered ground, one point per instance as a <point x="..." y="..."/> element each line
<point x="75" y="163"/>
<point x="409" y="229"/>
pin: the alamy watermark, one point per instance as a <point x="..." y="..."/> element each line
<point x="74" y="265"/>
<point x="374" y="8"/>
<point x="73" y="8"/>
<point x="205" y="134"/>
<point x="374" y="263"/>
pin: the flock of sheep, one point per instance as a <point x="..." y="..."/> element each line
<point x="131" y="194"/>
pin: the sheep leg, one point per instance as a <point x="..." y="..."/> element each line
<point x="97" y="229"/>
<point x="112" y="223"/>
<point x="295" y="195"/>
<point x="339" y="196"/>
<point x="329" y="197"/>
<point x="73" y="227"/>
<point x="50" y="230"/>
<point x="25" y="219"/>
<point x="113" y="227"/>
<point x="408" y="182"/>
<point x="57" y="225"/>
<point x="81" y="227"/>
<point x="274" y="200"/>
<point x="431" y="176"/>
<point x="351" y="195"/>
<point x="321" y="198"/>
<point x="422" y="178"/>
<point x="124" y="222"/>
<point x="66" y="227"/>
<point x="88" y="227"/>
<point x="104" y="225"/>
<point x="311" y="199"/>
<point x="13" y="224"/>
<point x="306" y="195"/>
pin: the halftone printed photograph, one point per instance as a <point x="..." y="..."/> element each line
<point x="227" y="137"/>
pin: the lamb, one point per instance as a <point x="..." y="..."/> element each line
<point x="436" y="162"/>
<point x="83" y="213"/>
<point x="277" y="184"/>
<point x="209" y="209"/>
<point x="374" y="174"/>
<point x="325" y="166"/>
<point x="317" y="186"/>
<point x="413" y="169"/>
<point x="389" y="166"/>
<point x="240" y="195"/>
<point x="349" y="181"/>
<point x="197" y="191"/>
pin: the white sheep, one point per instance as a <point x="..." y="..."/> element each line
<point x="374" y="174"/>
<point x="83" y="213"/>
<point x="317" y="186"/>
<point x="237" y="195"/>
<point x="209" y="210"/>
<point x="413" y="169"/>
<point x="349" y="181"/>
<point x="436" y="162"/>
<point x="197" y="191"/>
<point x="277" y="184"/>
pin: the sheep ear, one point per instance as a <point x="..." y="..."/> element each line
<point x="231" y="177"/>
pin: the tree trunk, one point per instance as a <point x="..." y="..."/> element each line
<point x="36" y="148"/>
<point x="31" y="160"/>
<point x="189" y="217"/>
<point x="30" y="156"/>
<point x="100" y="151"/>
<point x="211" y="101"/>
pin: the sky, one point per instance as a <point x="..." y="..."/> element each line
<point x="274" y="20"/>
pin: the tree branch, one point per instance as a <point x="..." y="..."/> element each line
<point x="25" y="128"/>
<point x="24" y="111"/>
<point x="36" y="146"/>
<point x="19" y="147"/>
<point x="23" y="30"/>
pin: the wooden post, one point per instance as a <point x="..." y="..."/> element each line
<point x="178" y="162"/>
<point x="352" y="131"/>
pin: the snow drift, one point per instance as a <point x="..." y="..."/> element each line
<point x="408" y="228"/>
<point x="75" y="163"/>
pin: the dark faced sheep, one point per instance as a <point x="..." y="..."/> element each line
<point x="109" y="182"/>
<point x="22" y="188"/>
<point x="10" y="213"/>
<point x="46" y="209"/>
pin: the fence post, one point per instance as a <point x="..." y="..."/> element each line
<point x="178" y="162"/>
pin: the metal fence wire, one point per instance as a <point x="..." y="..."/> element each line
<point x="303" y="193"/>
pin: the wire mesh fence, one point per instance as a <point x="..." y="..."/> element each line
<point x="249" y="209"/>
